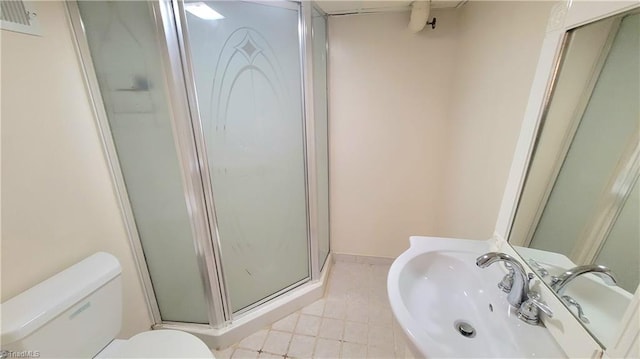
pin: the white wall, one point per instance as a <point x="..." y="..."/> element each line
<point x="499" y="44"/>
<point x="58" y="203"/>
<point x="389" y="92"/>
<point x="422" y="127"/>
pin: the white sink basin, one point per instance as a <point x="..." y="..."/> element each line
<point x="435" y="285"/>
<point x="603" y="305"/>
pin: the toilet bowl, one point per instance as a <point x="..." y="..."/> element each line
<point x="157" y="344"/>
<point x="77" y="313"/>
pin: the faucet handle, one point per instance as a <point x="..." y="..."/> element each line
<point x="507" y="281"/>
<point x="534" y="297"/>
<point x="538" y="268"/>
<point x="529" y="311"/>
<point x="570" y="301"/>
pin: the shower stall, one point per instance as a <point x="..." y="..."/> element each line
<point x="213" y="116"/>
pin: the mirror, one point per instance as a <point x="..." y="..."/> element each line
<point x="580" y="204"/>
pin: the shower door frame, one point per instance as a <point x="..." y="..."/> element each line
<point x="171" y="33"/>
<point x="308" y="17"/>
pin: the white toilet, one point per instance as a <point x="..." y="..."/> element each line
<point x="77" y="313"/>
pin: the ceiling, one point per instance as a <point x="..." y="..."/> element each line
<point x="336" y="7"/>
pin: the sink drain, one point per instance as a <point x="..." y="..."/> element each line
<point x="464" y="328"/>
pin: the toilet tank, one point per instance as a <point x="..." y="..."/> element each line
<point x="73" y="314"/>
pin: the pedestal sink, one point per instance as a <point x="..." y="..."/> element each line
<point x="448" y="307"/>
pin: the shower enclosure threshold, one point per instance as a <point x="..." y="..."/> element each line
<point x="259" y="317"/>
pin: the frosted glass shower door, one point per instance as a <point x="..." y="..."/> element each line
<point x="248" y="78"/>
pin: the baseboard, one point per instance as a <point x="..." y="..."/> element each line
<point x="353" y="258"/>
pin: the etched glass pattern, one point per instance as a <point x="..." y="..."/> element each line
<point x="248" y="79"/>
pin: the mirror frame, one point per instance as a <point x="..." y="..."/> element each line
<point x="575" y="340"/>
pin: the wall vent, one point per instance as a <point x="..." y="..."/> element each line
<point x="19" y="16"/>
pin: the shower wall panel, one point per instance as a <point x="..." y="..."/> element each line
<point x="125" y="51"/>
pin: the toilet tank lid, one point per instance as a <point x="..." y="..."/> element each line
<point x="33" y="308"/>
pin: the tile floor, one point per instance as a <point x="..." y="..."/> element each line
<point x="353" y="320"/>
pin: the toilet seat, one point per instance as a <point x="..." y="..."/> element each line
<point x="158" y="344"/>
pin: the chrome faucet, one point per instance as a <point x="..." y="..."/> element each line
<point x="558" y="284"/>
<point x="516" y="283"/>
<point x="520" y="285"/>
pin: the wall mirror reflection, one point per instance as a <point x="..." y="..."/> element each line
<point x="577" y="222"/>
